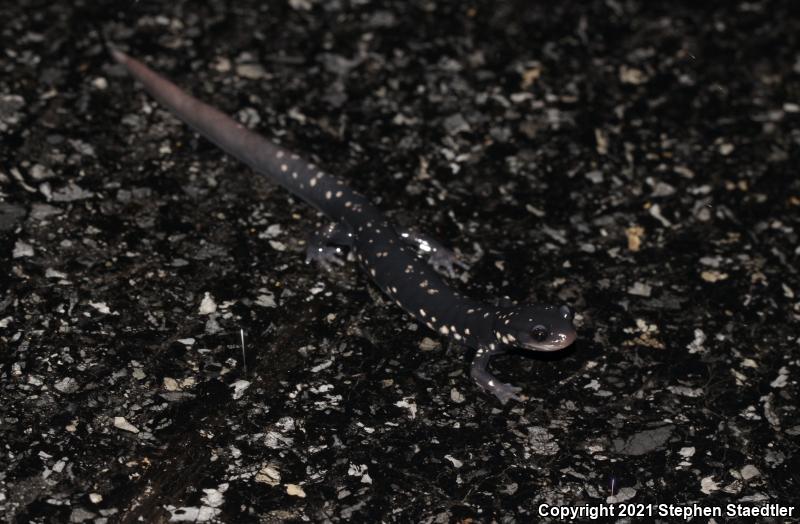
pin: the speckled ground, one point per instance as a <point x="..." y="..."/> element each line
<point x="634" y="160"/>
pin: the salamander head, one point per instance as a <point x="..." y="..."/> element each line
<point x="535" y="327"/>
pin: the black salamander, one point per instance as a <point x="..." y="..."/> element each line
<point x="388" y="255"/>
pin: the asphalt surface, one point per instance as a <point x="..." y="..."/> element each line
<point x="166" y="354"/>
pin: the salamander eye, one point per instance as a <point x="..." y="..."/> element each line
<point x="539" y="333"/>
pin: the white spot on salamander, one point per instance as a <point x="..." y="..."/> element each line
<point x="443" y="330"/>
<point x="422" y="312"/>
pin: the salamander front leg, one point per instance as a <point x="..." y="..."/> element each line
<point x="441" y="258"/>
<point x="326" y="245"/>
<point x="480" y="373"/>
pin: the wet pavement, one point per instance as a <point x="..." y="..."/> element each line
<point x="166" y="354"/>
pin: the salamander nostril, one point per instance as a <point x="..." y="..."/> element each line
<point x="567" y="312"/>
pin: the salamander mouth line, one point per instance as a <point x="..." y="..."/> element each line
<point x="387" y="253"/>
<point x="563" y="341"/>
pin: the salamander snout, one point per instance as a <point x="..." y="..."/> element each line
<point x="535" y="327"/>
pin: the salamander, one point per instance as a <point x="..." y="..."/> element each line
<point x="388" y="254"/>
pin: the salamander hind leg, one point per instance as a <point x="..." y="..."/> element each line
<point x="440" y="258"/>
<point x="480" y="373"/>
<point x="327" y="245"/>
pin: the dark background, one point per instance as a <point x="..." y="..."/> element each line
<point x="635" y="160"/>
